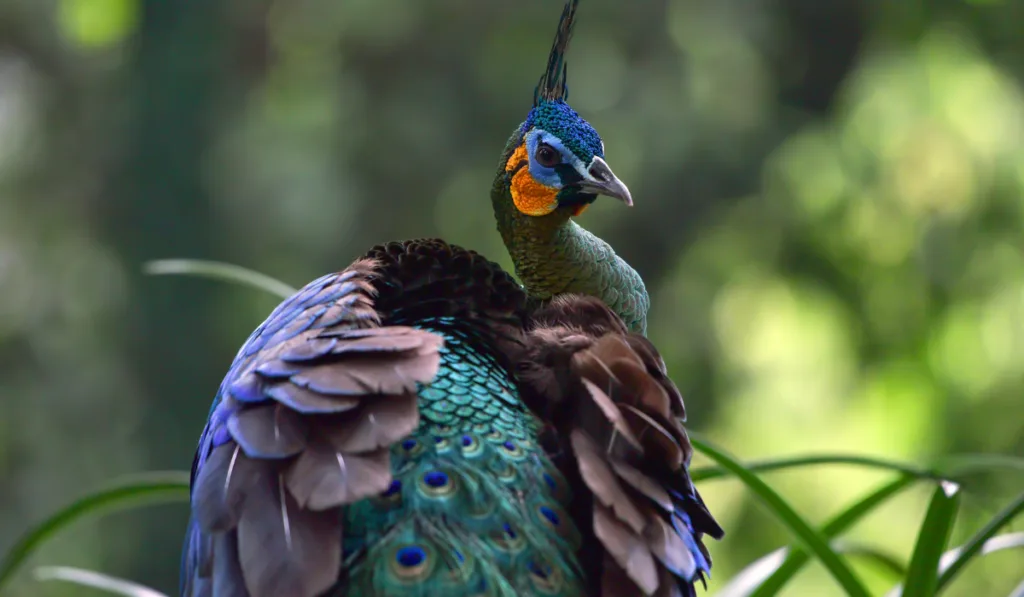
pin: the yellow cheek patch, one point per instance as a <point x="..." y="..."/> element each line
<point x="530" y="197"/>
<point x="518" y="157"/>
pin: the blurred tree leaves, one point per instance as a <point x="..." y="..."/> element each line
<point x="98" y="23"/>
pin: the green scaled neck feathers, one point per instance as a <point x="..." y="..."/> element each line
<point x="554" y="255"/>
<point x="552" y="169"/>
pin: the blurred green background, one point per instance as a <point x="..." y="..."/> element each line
<point x="830" y="206"/>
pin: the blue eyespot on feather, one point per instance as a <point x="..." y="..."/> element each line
<point x="410" y="556"/>
<point x="550" y="515"/>
<point x="394" y="488"/>
<point x="435" y="479"/>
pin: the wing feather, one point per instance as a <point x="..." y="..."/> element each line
<point x="303" y="427"/>
<point x="607" y="393"/>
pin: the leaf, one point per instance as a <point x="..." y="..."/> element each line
<point x="1018" y="592"/>
<point x="752" y="578"/>
<point x="950" y="466"/>
<point x="95" y="580"/>
<point x="128" y="492"/>
<point x="998" y="543"/>
<point x="219" y="271"/>
<point x="978" y="541"/>
<point x="769" y="574"/>
<point x="876" y="556"/>
<point x="793" y="522"/>
<point x="923" y="576"/>
<point x="965" y="464"/>
<point x="708" y="473"/>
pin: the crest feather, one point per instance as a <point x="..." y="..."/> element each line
<point x="552" y="85"/>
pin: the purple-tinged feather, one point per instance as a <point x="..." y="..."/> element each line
<point x="269" y="431"/>
<point x="285" y="550"/>
<point x="220" y="489"/>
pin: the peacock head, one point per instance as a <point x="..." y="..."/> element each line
<point x="558" y="158"/>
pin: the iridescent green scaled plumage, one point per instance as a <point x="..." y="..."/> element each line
<point x="473" y="495"/>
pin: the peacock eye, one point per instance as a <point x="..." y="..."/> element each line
<point x="547" y="156"/>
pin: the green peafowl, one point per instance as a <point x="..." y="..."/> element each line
<point x="420" y="424"/>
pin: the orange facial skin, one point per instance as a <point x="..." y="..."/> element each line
<point x="530" y="197"/>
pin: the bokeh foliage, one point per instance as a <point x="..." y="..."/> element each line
<point x="829" y="216"/>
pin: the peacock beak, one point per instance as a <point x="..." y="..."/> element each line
<point x="602" y="181"/>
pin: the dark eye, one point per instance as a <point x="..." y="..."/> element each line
<point x="548" y="156"/>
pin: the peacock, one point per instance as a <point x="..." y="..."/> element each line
<point x="421" y="424"/>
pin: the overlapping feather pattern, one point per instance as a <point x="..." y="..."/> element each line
<point x="373" y="438"/>
<point x="619" y="418"/>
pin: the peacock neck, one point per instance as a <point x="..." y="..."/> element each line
<point x="554" y="255"/>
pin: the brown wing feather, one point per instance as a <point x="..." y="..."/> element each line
<point x="309" y="421"/>
<point x="607" y="393"/>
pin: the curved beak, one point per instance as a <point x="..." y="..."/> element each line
<point x="603" y="181"/>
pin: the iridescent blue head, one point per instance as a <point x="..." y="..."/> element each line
<point x="559" y="159"/>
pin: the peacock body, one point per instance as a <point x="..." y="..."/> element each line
<point x="420" y="424"/>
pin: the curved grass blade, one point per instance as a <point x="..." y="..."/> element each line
<point x="753" y="576"/>
<point x="923" y="575"/>
<point x="708" y="473"/>
<point x="127" y="492"/>
<point x="95" y="580"/>
<point x="1019" y="591"/>
<point x="796" y="525"/>
<point x="219" y="271"/>
<point x="966" y="464"/>
<point x="978" y="541"/>
<point x="998" y="543"/>
<point x="837" y="525"/>
<point x="952" y="466"/>
<point x="879" y="558"/>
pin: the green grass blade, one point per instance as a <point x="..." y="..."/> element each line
<point x="752" y="577"/>
<point x="952" y="466"/>
<point x="998" y="543"/>
<point x="95" y="580"/>
<point x="977" y="542"/>
<point x="923" y="575"/>
<point x="708" y="473"/>
<point x="798" y="558"/>
<point x="967" y="464"/>
<point x="1018" y="592"/>
<point x="810" y="538"/>
<point x="879" y="558"/>
<point x="125" y="493"/>
<point x="218" y="271"/>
